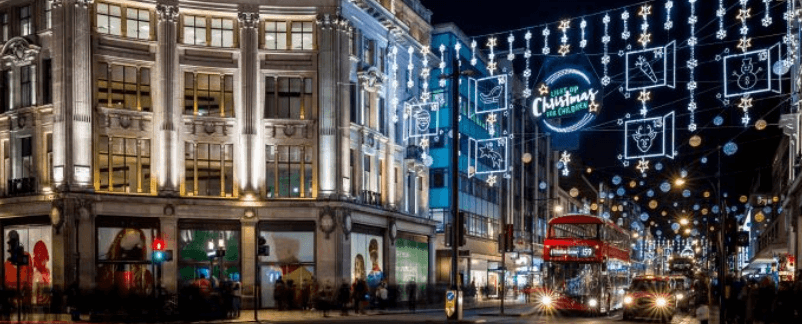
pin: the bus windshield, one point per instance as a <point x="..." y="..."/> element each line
<point x="649" y="285"/>
<point x="580" y="231"/>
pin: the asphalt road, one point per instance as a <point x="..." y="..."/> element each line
<point x="485" y="316"/>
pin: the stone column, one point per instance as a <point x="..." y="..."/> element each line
<point x="167" y="119"/>
<point x="333" y="103"/>
<point x="389" y="255"/>
<point x="248" y="115"/>
<point x="86" y="237"/>
<point x="249" y="232"/>
<point x="72" y="93"/>
<point x="169" y="232"/>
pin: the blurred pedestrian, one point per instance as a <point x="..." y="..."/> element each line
<point x="343" y="295"/>
<point x="360" y="289"/>
<point x="765" y="299"/>
<point x="703" y="313"/>
<point x="784" y="304"/>
<point x="751" y="302"/>
<point x="278" y="293"/>
<point x="412" y="294"/>
<point x="382" y="295"/>
<point x="73" y="298"/>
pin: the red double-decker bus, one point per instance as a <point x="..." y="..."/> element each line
<point x="587" y="265"/>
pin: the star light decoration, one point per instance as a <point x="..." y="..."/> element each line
<point x="645" y="36"/>
<point x="565" y="158"/>
<point x="410" y="68"/>
<point x="491" y="120"/>
<point x="546" y="33"/>
<point x="643" y="166"/>
<point x="606" y="57"/>
<point x="668" y="24"/>
<point x="692" y="63"/>
<point x="544" y="89"/>
<point x="491" y="180"/>
<point x="424" y="73"/>
<point x="720" y="13"/>
<point x="394" y="84"/>
<point x="492" y="65"/>
<point x="743" y="15"/>
<point x="565" y="48"/>
<point x="625" y="17"/>
<point x="528" y="70"/>
<point x="767" y="18"/>
<point x="644" y="97"/>
<point x="473" y="53"/>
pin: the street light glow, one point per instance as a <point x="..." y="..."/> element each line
<point x="679" y="182"/>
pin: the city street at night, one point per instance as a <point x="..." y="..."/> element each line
<point x="409" y="161"/>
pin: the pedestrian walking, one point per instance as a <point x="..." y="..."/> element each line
<point x="382" y="295"/>
<point x="278" y="293"/>
<point x="360" y="289"/>
<point x="343" y="295"/>
<point x="751" y="302"/>
<point x="765" y="300"/>
<point x="412" y="294"/>
<point x="703" y="313"/>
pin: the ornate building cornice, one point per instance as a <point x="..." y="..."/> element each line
<point x="337" y="22"/>
<point x="84" y="3"/>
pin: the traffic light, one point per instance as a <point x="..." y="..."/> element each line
<point x="462" y="227"/>
<point x="160" y="254"/>
<point x="13" y="243"/>
<point x="263" y="249"/>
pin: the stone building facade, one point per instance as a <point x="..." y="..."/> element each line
<point x="209" y="124"/>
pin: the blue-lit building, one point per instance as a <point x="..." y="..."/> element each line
<point x="485" y="205"/>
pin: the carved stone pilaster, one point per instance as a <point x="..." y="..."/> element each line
<point x="84" y="3"/>
<point x="248" y="19"/>
<point x="167" y="12"/>
<point x="56" y="3"/>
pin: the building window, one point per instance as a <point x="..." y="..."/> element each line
<point x="209" y="170"/>
<point x="438" y="178"/>
<point x="300" y="35"/>
<point x="296" y="260"/>
<point x="48" y="14"/>
<point x="138" y="23"/>
<point x="49" y="153"/>
<point x="288" y="171"/>
<point x="197" y="241"/>
<point x="123" y="87"/>
<point x="123" y="165"/>
<point x="209" y="94"/>
<point x="123" y="256"/>
<point x="109" y="19"/>
<point x="276" y="35"/>
<point x="26" y="158"/>
<point x="25" y="21"/>
<point x="222" y="32"/>
<point x="135" y="23"/>
<point x="47" y="81"/>
<point x="288" y="98"/>
<point x="219" y="32"/>
<point x="4" y="28"/>
<point x="26" y="86"/>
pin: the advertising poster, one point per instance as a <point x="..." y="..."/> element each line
<point x="412" y="263"/>
<point x="123" y="255"/>
<point x="367" y="258"/>
<point x="36" y="276"/>
<point x="289" y="268"/>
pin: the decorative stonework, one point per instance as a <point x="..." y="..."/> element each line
<point x="248" y="19"/>
<point x="56" y="3"/>
<point x="83" y="3"/>
<point x="167" y="13"/>
<point x="17" y="51"/>
<point x="328" y="21"/>
<point x="371" y="80"/>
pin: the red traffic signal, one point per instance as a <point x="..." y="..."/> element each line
<point x="158" y="244"/>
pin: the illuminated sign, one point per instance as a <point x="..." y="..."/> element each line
<point x="568" y="96"/>
<point x="574" y="251"/>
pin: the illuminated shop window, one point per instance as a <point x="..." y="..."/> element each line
<point x="123" y="21"/>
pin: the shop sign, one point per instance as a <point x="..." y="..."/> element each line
<point x="569" y="100"/>
<point x="451" y="302"/>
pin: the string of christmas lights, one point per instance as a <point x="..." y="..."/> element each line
<point x="546" y="33"/>
<point x="605" y="81"/>
<point x="565" y="48"/>
<point x="692" y="64"/>
<point x="668" y="24"/>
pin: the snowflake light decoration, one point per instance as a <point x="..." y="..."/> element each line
<point x="473" y="53"/>
<point x="394" y="85"/>
<point x="583" y="42"/>
<point x="606" y="57"/>
<point x="565" y="158"/>
<point x="546" y="33"/>
<point x="766" y="21"/>
<point x="625" y="18"/>
<point x="692" y="63"/>
<point x="424" y="73"/>
<point x="668" y="24"/>
<point x="442" y="66"/>
<point x="510" y="41"/>
<point x="528" y="70"/>
<point x="410" y="68"/>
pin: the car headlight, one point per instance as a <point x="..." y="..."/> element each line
<point x="680" y="296"/>
<point x="661" y="302"/>
<point x="593" y="302"/>
<point x="545" y="300"/>
<point x="627" y="300"/>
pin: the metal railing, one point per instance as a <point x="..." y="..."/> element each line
<point x="371" y="198"/>
<point x="21" y="186"/>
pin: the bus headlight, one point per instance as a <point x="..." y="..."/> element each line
<point x="545" y="300"/>
<point x="593" y="302"/>
<point x="661" y="302"/>
<point x="628" y="300"/>
<point x="680" y="296"/>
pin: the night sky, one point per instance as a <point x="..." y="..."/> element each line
<point x="602" y="143"/>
